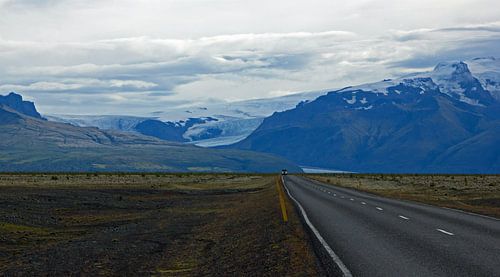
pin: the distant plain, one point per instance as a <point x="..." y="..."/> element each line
<point x="473" y="193"/>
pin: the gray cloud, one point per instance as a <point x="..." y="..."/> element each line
<point x="143" y="56"/>
<point x="231" y="67"/>
<point x="13" y="4"/>
<point x="457" y="43"/>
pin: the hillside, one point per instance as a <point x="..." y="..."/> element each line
<point x="443" y="121"/>
<point x="33" y="144"/>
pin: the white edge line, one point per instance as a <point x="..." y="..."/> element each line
<point x="445" y="232"/>
<point x="327" y="247"/>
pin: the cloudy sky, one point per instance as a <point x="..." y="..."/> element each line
<point x="139" y="56"/>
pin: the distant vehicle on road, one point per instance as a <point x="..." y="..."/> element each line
<point x="284" y="172"/>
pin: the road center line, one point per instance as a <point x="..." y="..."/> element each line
<point x="380" y="209"/>
<point x="403" y="217"/>
<point x="445" y="232"/>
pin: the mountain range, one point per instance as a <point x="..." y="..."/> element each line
<point x="208" y="125"/>
<point x="446" y="120"/>
<point x="29" y="142"/>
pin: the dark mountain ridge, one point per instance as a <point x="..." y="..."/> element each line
<point x="444" y="123"/>
<point x="33" y="144"/>
<point x="16" y="102"/>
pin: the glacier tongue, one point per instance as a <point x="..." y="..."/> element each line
<point x="232" y="121"/>
<point x="475" y="82"/>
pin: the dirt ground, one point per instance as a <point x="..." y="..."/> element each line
<point x="148" y="225"/>
<point x="474" y="193"/>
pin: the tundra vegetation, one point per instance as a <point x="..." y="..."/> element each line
<point x="148" y="224"/>
<point x="473" y="193"/>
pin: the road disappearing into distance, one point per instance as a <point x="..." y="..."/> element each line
<point x="376" y="236"/>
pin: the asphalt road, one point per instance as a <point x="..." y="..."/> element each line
<point x="376" y="236"/>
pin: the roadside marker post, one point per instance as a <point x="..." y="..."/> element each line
<point x="281" y="194"/>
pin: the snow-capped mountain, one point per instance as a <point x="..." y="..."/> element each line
<point x="475" y="82"/>
<point x="211" y="124"/>
<point x="487" y="71"/>
<point x="29" y="143"/>
<point x="478" y="84"/>
<point x="438" y="121"/>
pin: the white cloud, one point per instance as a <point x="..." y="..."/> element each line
<point x="147" y="55"/>
<point x="84" y="85"/>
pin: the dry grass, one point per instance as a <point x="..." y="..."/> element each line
<point x="474" y="193"/>
<point x="162" y="225"/>
<point x="135" y="181"/>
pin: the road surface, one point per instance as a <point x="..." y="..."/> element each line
<point x="376" y="236"/>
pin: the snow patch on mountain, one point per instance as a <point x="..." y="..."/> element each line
<point x="377" y="87"/>
<point x="104" y="122"/>
<point x="364" y="108"/>
<point x="254" y="108"/>
<point x="473" y="82"/>
<point x="487" y="71"/>
<point x="229" y="122"/>
<point x="352" y="100"/>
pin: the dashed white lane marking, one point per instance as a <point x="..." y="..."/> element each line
<point x="445" y="232"/>
<point x="329" y="192"/>
<point x="403" y="217"/>
<point x="363" y="203"/>
<point x="352" y="199"/>
<point x="342" y="197"/>
<point x="334" y="194"/>
<point x="380" y="209"/>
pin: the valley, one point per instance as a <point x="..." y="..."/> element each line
<point x="31" y="144"/>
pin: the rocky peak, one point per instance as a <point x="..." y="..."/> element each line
<point x="15" y="101"/>
<point x="456" y="80"/>
<point x="452" y="71"/>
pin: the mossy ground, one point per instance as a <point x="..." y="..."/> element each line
<point x="148" y="225"/>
